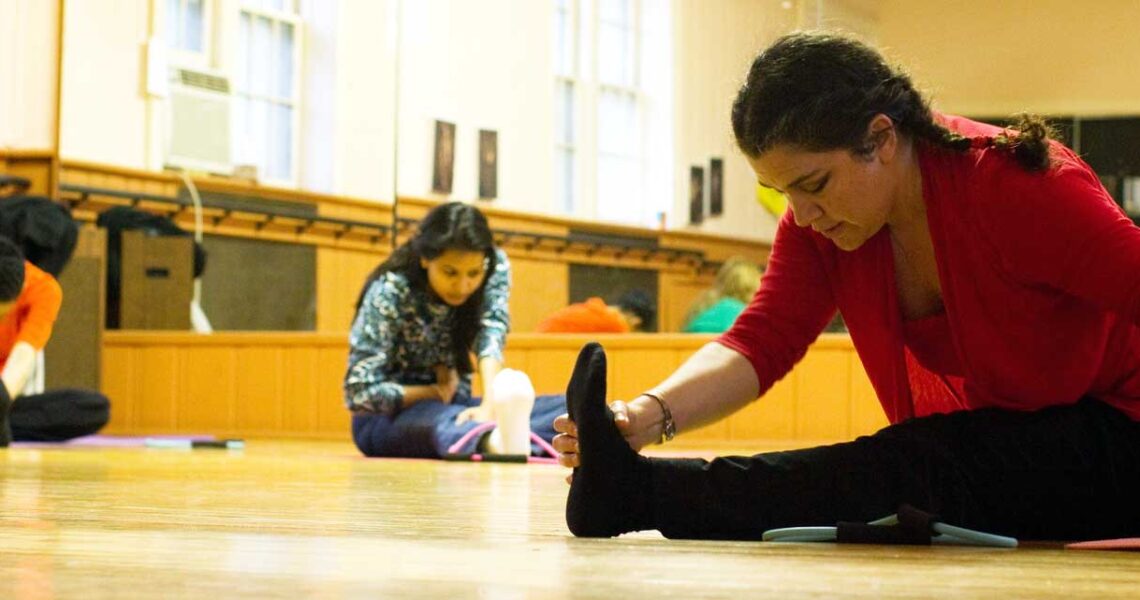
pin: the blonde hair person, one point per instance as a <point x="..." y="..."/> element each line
<point x="717" y="308"/>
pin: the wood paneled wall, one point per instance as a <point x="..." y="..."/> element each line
<point x="289" y="384"/>
<point x="40" y="167"/>
<point x="279" y="385"/>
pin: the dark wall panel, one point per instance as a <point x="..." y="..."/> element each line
<point x="609" y="283"/>
<point x="258" y="285"/>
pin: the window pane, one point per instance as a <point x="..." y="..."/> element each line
<point x="615" y="55"/>
<point x="259" y="135"/>
<point x="619" y="186"/>
<point x="174" y="23"/>
<point x="281" y="147"/>
<point x="616" y="12"/>
<point x="618" y="131"/>
<point x="564" y="113"/>
<point x="241" y="73"/>
<point x="194" y="20"/>
<point x="262" y="56"/>
<point x="563" y="43"/>
<point x="564" y="179"/>
<point x="239" y="128"/>
<point x="285" y="62"/>
<point x="609" y="54"/>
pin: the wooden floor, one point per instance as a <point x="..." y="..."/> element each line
<point x="313" y="520"/>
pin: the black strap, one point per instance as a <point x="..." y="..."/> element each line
<point x="913" y="529"/>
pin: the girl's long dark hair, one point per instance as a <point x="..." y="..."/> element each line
<point x="451" y="226"/>
<point x="819" y="92"/>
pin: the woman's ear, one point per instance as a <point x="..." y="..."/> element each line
<point x="882" y="137"/>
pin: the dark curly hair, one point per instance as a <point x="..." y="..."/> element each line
<point x="11" y="270"/>
<point x="641" y="304"/>
<point x="451" y="226"/>
<point x="819" y="91"/>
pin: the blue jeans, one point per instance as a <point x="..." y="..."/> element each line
<point x="427" y="429"/>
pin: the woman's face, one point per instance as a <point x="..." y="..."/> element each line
<point x="455" y="274"/>
<point x="844" y="196"/>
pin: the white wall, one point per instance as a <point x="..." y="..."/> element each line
<point x="716" y="42"/>
<point x="659" y="83"/>
<point x="319" y="78"/>
<point x="480" y="65"/>
<point x="103" y="109"/>
<point x="855" y="17"/>
<point x="27" y="74"/>
<point x="999" y="58"/>
<point x="364" y="99"/>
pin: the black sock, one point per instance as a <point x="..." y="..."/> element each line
<point x="610" y="492"/>
<point x="5" y="426"/>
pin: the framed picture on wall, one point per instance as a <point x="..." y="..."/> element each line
<point x="696" y="195"/>
<point x="444" y="164"/>
<point x="716" y="182"/>
<point x="488" y="164"/>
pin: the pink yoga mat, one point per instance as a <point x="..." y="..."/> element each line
<point x="1117" y="544"/>
<point x="111" y="441"/>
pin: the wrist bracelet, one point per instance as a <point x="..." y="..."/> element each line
<point x="668" y="426"/>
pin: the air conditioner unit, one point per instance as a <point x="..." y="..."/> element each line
<point x="198" y="136"/>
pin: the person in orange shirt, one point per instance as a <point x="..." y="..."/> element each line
<point x="634" y="311"/>
<point x="29" y="302"/>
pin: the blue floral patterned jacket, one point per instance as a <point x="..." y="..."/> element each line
<point x="401" y="334"/>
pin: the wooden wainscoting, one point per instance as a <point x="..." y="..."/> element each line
<point x="289" y="384"/>
<point x="245" y="384"/>
<point x="39" y="167"/>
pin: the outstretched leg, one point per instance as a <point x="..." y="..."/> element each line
<point x="1064" y="472"/>
<point x="609" y="492"/>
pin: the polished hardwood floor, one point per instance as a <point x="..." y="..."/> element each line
<point x="290" y="519"/>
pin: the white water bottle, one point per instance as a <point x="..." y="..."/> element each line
<point x="513" y="395"/>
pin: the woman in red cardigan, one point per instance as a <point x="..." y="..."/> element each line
<point x="992" y="290"/>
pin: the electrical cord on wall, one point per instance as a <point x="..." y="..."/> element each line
<point x="198" y="319"/>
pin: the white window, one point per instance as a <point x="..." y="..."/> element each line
<point x="565" y="86"/>
<point x="188" y="31"/>
<point x="601" y="171"/>
<point x="620" y="170"/>
<point x="267" y="89"/>
<point x="188" y="25"/>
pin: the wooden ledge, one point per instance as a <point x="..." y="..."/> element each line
<point x="515" y="341"/>
<point x="26" y="154"/>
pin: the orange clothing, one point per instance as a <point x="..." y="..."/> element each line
<point x="591" y="316"/>
<point x="33" y="314"/>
